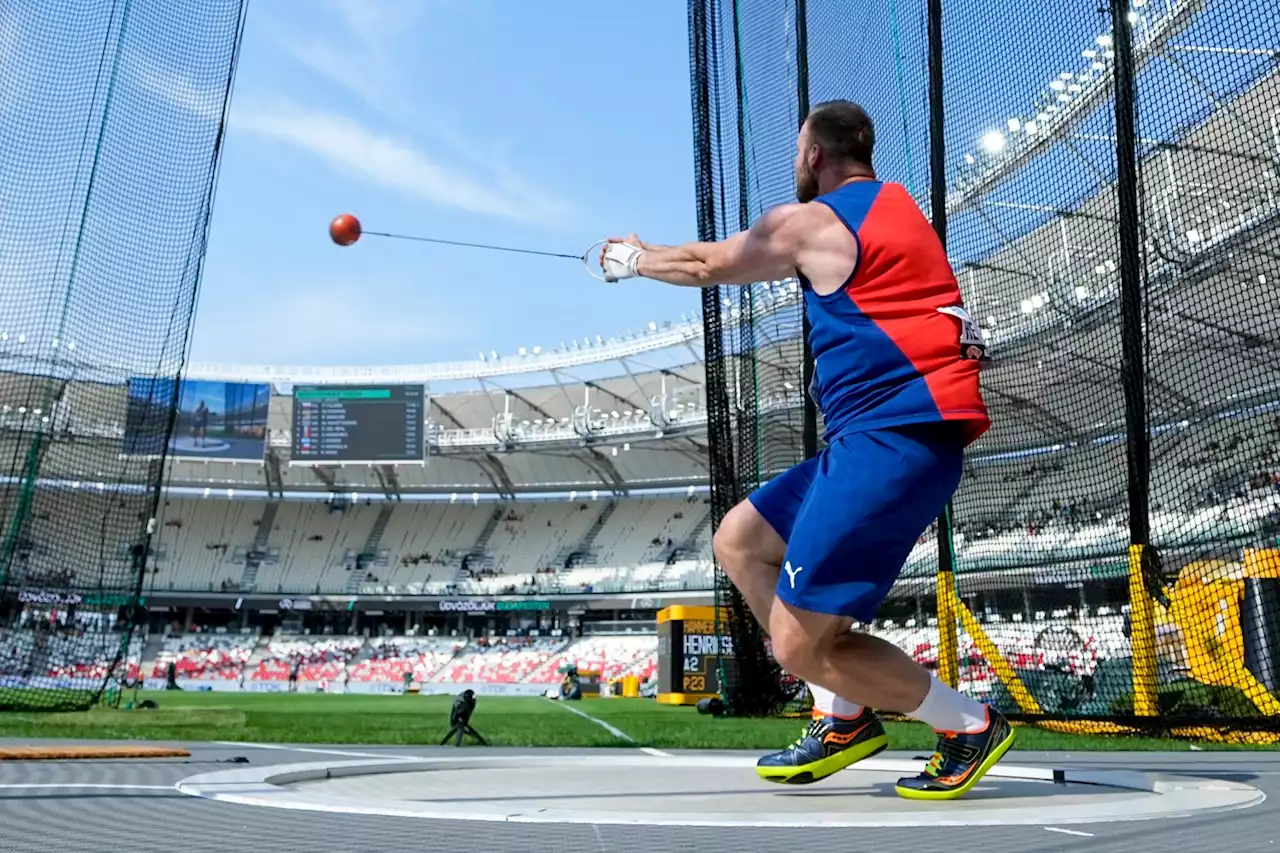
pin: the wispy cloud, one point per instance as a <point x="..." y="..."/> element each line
<point x="175" y="88"/>
<point x="397" y="164"/>
<point x="360" y="54"/>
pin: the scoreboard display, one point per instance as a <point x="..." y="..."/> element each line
<point x="691" y="652"/>
<point x="347" y="424"/>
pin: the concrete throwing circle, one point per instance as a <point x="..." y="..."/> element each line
<point x="689" y="789"/>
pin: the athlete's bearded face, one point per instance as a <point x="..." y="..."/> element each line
<point x="806" y="174"/>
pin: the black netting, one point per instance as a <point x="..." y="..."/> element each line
<point x="1111" y="209"/>
<point x="111" y="123"/>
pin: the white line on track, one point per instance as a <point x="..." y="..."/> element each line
<point x="283" y="748"/>
<point x="1069" y="831"/>
<point x="19" y="786"/>
<point x="613" y="730"/>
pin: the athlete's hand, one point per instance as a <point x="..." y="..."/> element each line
<point x="618" y="258"/>
<point x="633" y="239"/>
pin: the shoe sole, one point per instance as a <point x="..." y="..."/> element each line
<point x="814" y="771"/>
<point x="960" y="791"/>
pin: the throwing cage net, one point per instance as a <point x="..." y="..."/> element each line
<point x="111" y="123"/>
<point x="1106" y="181"/>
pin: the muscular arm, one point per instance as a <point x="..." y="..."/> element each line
<point x="768" y="250"/>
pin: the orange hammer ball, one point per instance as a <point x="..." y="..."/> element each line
<point x="344" y="229"/>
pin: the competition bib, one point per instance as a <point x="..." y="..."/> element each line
<point x="972" y="344"/>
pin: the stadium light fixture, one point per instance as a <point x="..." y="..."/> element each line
<point x="993" y="141"/>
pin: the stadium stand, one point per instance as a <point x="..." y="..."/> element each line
<point x="502" y="660"/>
<point x="386" y="659"/>
<point x="204" y="656"/>
<point x="317" y="659"/>
<point x="612" y="657"/>
<point x="65" y="655"/>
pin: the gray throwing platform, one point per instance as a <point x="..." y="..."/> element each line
<point x="705" y="789"/>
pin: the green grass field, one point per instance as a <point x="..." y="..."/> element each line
<point x="504" y="721"/>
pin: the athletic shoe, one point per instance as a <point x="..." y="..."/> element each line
<point x="828" y="745"/>
<point x="961" y="759"/>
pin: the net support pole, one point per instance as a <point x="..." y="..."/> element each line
<point x="948" y="641"/>
<point x="1132" y="368"/>
<point x="809" y="424"/>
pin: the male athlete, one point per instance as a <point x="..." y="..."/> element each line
<point x="895" y="376"/>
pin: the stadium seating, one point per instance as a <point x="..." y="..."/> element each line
<point x="196" y="542"/>
<point x="611" y="656"/>
<point x="65" y="654"/>
<point x="204" y="656"/>
<point x="320" y="659"/>
<point x="502" y="660"/>
<point x="388" y="658"/>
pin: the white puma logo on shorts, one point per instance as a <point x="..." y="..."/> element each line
<point x="791" y="573"/>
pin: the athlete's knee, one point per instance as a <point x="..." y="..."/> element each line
<point x="793" y="646"/>
<point x="745" y="538"/>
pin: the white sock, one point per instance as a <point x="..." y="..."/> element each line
<point x="830" y="705"/>
<point x="949" y="710"/>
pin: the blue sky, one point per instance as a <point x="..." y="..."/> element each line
<point x="543" y="125"/>
<point x="475" y="120"/>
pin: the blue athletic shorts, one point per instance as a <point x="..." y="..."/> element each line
<point x="851" y="515"/>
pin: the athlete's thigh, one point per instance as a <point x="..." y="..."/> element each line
<point x="779" y="501"/>
<point x="870" y="499"/>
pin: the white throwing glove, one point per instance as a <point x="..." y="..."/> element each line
<point x="620" y="260"/>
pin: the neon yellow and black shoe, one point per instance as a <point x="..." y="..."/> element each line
<point x="960" y="761"/>
<point x="828" y="745"/>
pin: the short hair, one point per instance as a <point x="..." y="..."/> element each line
<point x="843" y="130"/>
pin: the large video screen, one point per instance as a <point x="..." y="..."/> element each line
<point x="215" y="420"/>
<point x="357" y="423"/>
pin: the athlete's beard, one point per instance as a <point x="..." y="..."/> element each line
<point x="806" y="183"/>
